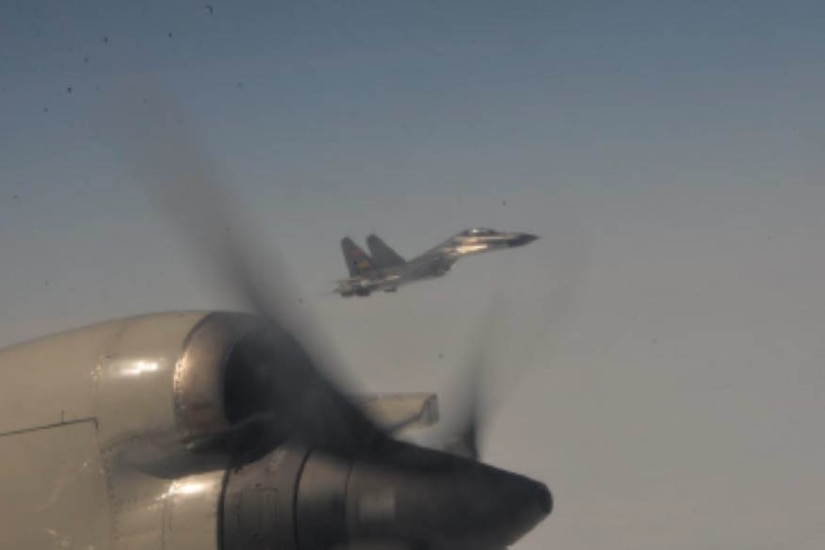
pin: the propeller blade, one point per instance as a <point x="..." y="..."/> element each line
<point x="471" y="392"/>
<point x="300" y="402"/>
<point x="483" y="383"/>
<point x="160" y="147"/>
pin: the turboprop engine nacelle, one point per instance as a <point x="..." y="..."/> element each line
<point x="153" y="385"/>
<point x="113" y="437"/>
<point x="97" y="427"/>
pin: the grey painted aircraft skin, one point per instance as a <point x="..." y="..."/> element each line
<point x="386" y="270"/>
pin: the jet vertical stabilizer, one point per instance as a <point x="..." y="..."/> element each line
<point x="358" y="262"/>
<point x="383" y="255"/>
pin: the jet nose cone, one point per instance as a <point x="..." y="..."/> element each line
<point x="522" y="239"/>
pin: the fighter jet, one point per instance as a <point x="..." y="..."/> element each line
<point x="386" y="270"/>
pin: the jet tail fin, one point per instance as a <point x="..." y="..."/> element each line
<point x="383" y="254"/>
<point x="358" y="262"/>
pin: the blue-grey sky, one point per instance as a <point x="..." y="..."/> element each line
<point x="661" y="344"/>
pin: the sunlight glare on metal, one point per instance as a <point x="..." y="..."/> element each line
<point x="465" y="249"/>
<point x="140" y="367"/>
<point x="187" y="488"/>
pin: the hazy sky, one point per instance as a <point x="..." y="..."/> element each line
<point x="661" y="344"/>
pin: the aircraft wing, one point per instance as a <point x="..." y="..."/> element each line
<point x="400" y="411"/>
<point x="349" y="280"/>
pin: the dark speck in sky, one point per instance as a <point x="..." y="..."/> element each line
<point x="105" y="40"/>
<point x="69" y="90"/>
<point x="169" y="35"/>
<point x="45" y="109"/>
<point x="209" y="8"/>
<point x="86" y="59"/>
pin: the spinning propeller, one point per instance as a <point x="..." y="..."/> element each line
<point x="431" y="499"/>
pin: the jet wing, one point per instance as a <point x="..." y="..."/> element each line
<point x="368" y="281"/>
<point x="400" y="411"/>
